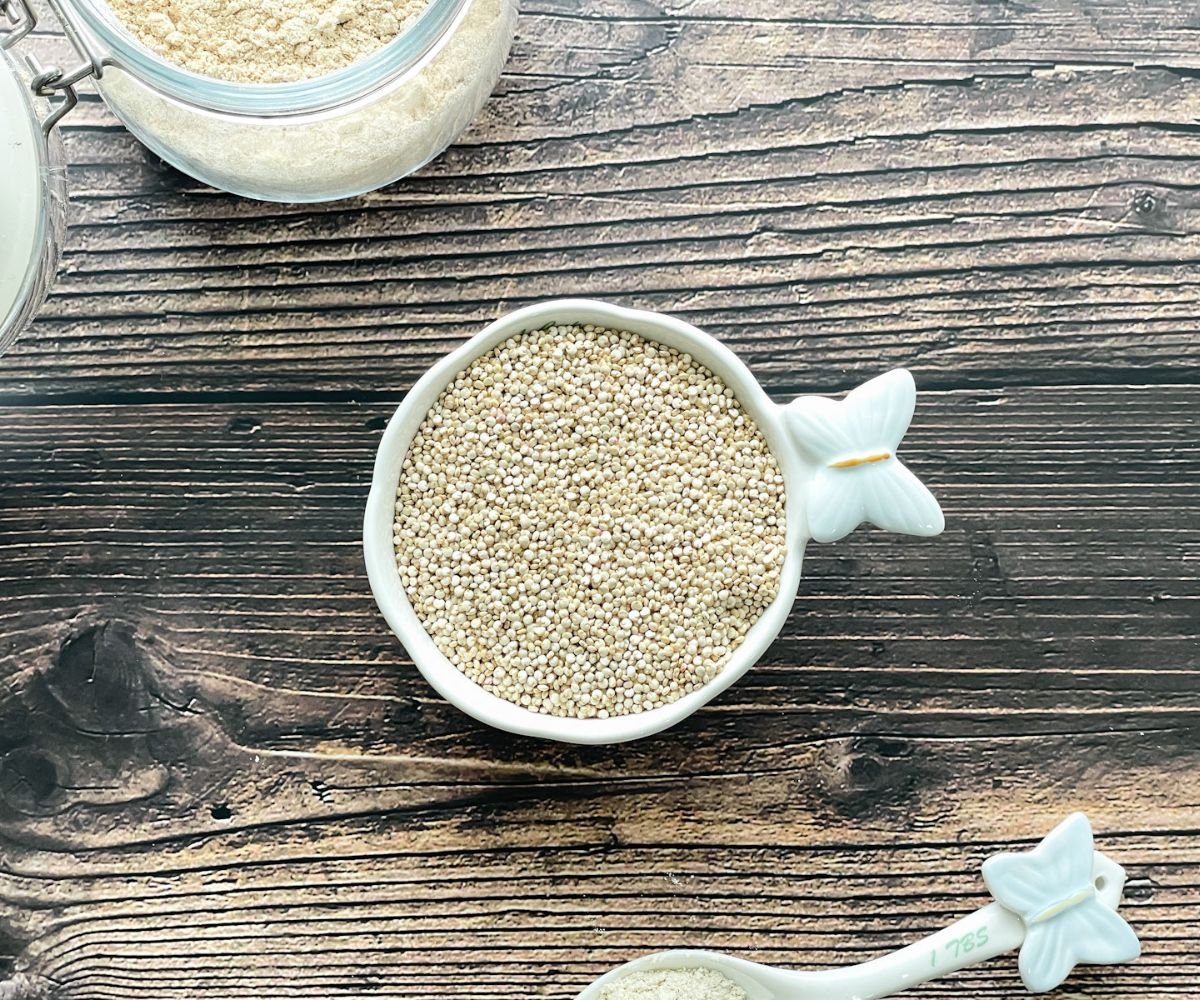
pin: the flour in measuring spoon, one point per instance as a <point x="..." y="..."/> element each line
<point x="674" y="984"/>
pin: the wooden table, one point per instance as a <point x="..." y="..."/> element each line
<point x="222" y="778"/>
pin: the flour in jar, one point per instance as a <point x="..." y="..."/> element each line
<point x="401" y="122"/>
<point x="265" y="41"/>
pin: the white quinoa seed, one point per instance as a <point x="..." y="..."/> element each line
<point x="588" y="523"/>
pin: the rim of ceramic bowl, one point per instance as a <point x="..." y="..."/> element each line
<point x="378" y="547"/>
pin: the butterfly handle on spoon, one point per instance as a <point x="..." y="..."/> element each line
<point x="1056" y="903"/>
<point x="990" y="931"/>
<point x="848" y="449"/>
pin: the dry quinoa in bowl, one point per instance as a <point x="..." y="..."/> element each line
<point x="588" y="521"/>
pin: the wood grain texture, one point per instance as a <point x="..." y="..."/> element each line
<point x="221" y="778"/>
<point x="218" y="744"/>
<point x="989" y="192"/>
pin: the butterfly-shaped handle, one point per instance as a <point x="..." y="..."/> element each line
<point x="1056" y="893"/>
<point x="851" y="445"/>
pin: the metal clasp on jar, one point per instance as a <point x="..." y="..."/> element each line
<point x="17" y="19"/>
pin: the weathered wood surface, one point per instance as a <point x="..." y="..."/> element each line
<point x="220" y="777"/>
<point x="990" y="192"/>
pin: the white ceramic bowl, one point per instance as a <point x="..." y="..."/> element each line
<point x="839" y="467"/>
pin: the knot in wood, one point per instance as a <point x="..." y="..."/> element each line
<point x="31" y="781"/>
<point x="101" y="682"/>
<point x="866" y="775"/>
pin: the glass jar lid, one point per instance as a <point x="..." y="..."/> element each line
<point x="32" y="207"/>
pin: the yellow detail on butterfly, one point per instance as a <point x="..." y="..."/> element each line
<point x="850" y="463"/>
<point x="1054" y="909"/>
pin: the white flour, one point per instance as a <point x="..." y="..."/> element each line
<point x="18" y="152"/>
<point x="268" y="41"/>
<point x="29" y="240"/>
<point x="674" y="984"/>
<point x="338" y="153"/>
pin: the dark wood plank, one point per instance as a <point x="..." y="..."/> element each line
<point x="219" y="777"/>
<point x="999" y="197"/>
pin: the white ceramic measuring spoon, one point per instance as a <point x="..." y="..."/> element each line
<point x="1056" y="903"/>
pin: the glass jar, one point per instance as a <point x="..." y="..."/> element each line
<point x="334" y="136"/>
<point x="32" y="189"/>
